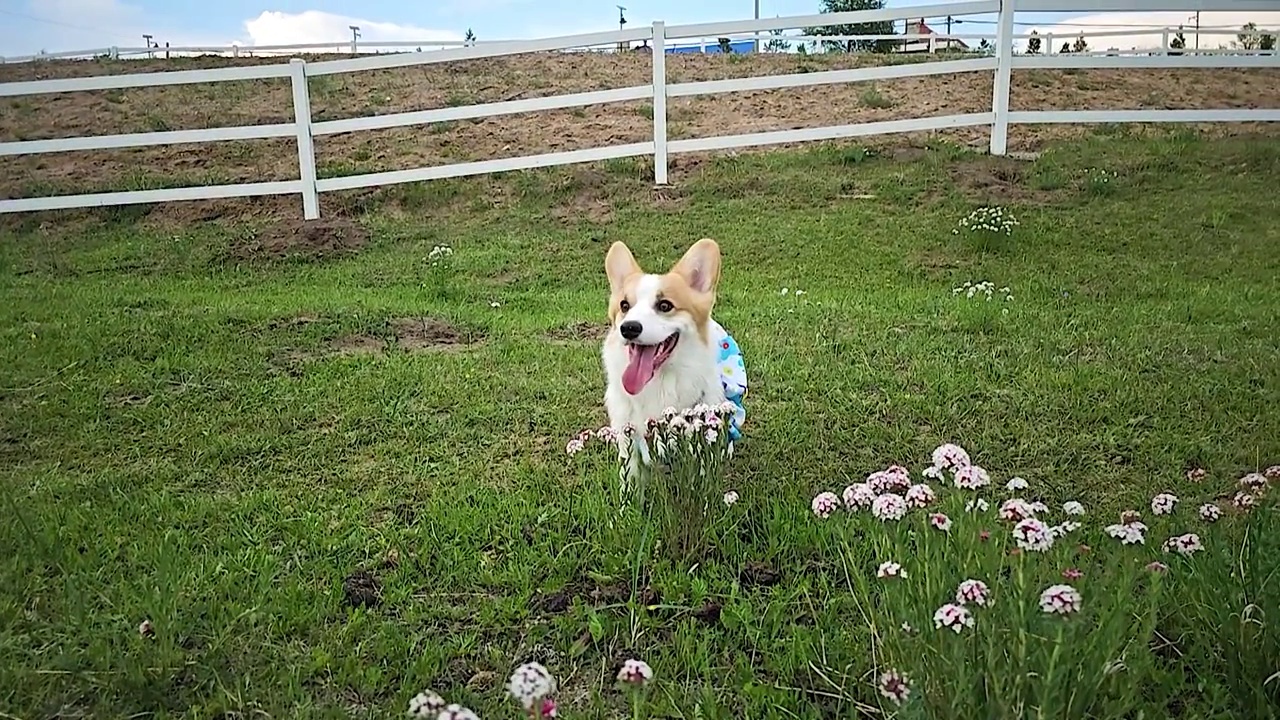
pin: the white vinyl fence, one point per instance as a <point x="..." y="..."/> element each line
<point x="657" y="91"/>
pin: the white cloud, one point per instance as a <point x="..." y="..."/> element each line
<point x="314" y="26"/>
<point x="1133" y="37"/>
<point x="68" y="25"/>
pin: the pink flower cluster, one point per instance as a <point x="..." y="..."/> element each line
<point x="1185" y="545"/>
<point x="1061" y="600"/>
<point x="895" y="686"/>
<point x="1033" y="535"/>
<point x="973" y="592"/>
<point x="707" y="421"/>
<point x="824" y="504"/>
<point x="954" y="617"/>
<point x="1163" y="504"/>
<point x="887" y="493"/>
<point x="531" y="685"/>
<point x="894" y="479"/>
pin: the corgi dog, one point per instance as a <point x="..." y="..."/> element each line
<point x="663" y="349"/>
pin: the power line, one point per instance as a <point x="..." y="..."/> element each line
<point x="46" y="21"/>
<point x="963" y="21"/>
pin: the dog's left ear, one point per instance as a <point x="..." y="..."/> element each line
<point x="620" y="264"/>
<point x="700" y="266"/>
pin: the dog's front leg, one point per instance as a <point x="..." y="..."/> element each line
<point x="633" y="454"/>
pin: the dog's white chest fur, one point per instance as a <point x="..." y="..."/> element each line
<point x="689" y="377"/>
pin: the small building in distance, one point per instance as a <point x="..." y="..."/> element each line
<point x="924" y="45"/>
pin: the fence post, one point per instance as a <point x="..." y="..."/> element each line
<point x="1004" y="68"/>
<point x="306" y="148"/>
<point x="1164" y="41"/>
<point x="659" y="55"/>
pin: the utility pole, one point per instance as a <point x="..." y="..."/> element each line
<point x="146" y="39"/>
<point x="355" y="35"/>
<point x="622" y="23"/>
<point x="757" y="32"/>
<point x="1197" y="17"/>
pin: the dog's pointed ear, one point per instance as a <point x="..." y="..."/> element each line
<point x="700" y="266"/>
<point x="619" y="265"/>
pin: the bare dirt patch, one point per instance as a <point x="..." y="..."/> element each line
<point x="413" y="334"/>
<point x="358" y="345"/>
<point x="578" y="332"/>
<point x="422" y="333"/>
<point x="362" y="589"/>
<point x="593" y="593"/>
<point x="997" y="180"/>
<point x="309" y="239"/>
<point x="410" y="334"/>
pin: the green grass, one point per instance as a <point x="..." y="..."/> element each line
<point x="181" y="443"/>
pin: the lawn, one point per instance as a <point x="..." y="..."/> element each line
<point x="331" y="482"/>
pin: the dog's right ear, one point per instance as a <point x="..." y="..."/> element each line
<point x="619" y="265"/>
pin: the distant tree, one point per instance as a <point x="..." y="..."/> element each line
<point x="985" y="47"/>
<point x="725" y="47"/>
<point x="776" y="44"/>
<point x="1079" y="45"/>
<point x="1066" y="49"/>
<point x="1033" y="43"/>
<point x="883" y="27"/>
<point x="1178" y="42"/>
<point x="1250" y="39"/>
<point x="469" y="38"/>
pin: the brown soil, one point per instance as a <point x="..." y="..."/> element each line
<point x="410" y="333"/>
<point x="616" y="592"/>
<point x="996" y="180"/>
<point x="498" y="79"/>
<point x="362" y="589"/>
<point x="423" y="332"/>
<point x="311" y="239"/>
<point x="759" y="574"/>
<point x="578" y="332"/>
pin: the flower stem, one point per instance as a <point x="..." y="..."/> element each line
<point x="1050" y="681"/>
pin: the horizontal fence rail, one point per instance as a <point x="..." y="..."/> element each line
<point x="468" y="112"/>
<point x="1001" y="60"/>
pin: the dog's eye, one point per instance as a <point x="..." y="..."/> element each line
<point x="665" y="306"/>
<point x="624" y="306"/>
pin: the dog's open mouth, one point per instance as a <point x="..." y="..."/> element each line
<point x="644" y="360"/>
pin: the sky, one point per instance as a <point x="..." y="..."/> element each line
<point x="29" y="26"/>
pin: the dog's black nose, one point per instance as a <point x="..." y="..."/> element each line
<point x="631" y="329"/>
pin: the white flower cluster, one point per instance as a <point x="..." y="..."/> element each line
<point x="995" y="220"/>
<point x="1128" y="533"/>
<point x="440" y="255"/>
<point x="1099" y="176"/>
<point x="986" y="289"/>
<point x="530" y="683"/>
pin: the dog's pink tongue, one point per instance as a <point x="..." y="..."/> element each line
<point x="640" y="367"/>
